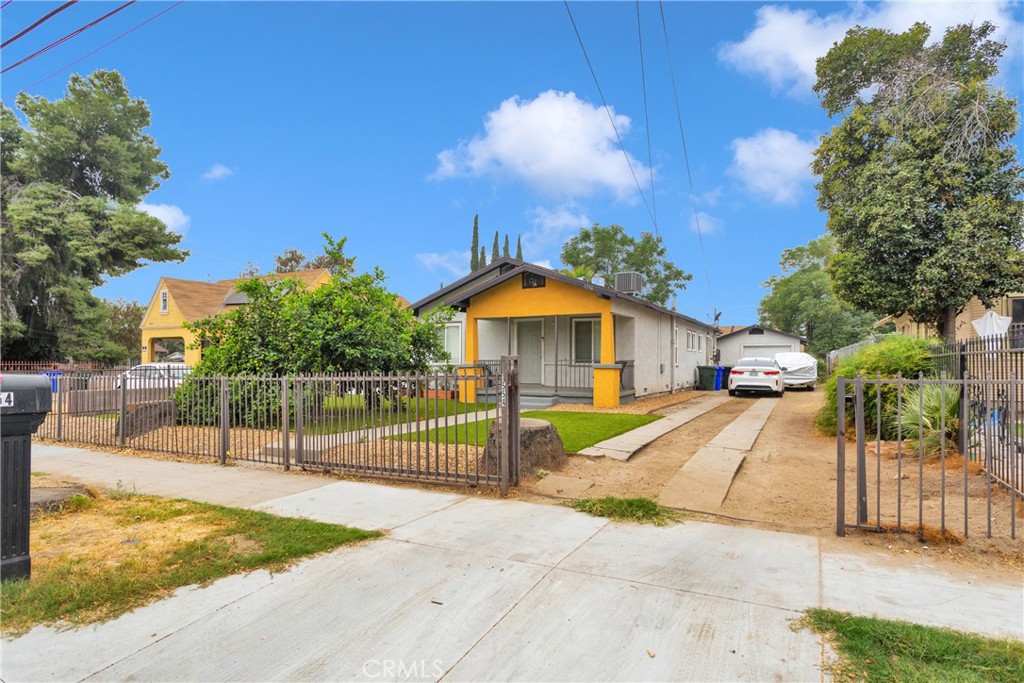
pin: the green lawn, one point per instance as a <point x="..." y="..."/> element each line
<point x="578" y="430"/>
<point x="881" y="650"/>
<point x="348" y="413"/>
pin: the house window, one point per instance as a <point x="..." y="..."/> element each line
<point x="700" y="342"/>
<point x="586" y="341"/>
<point x="453" y="342"/>
<point x="163" y="301"/>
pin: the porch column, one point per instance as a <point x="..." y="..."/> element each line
<point x="606" y="373"/>
<point x="467" y="388"/>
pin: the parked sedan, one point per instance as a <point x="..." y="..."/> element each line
<point x="756" y="375"/>
<point x="154" y="375"/>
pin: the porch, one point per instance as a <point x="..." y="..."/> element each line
<point x="568" y="383"/>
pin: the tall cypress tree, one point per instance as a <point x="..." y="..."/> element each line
<point x="495" y="254"/>
<point x="519" y="247"/>
<point x="504" y="248"/>
<point x="474" y="250"/>
<point x="483" y="257"/>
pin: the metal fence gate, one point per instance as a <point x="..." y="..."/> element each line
<point x="954" y="462"/>
<point x="422" y="426"/>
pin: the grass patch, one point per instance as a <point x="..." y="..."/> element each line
<point x="640" y="510"/>
<point x="881" y="650"/>
<point x="100" y="557"/>
<point x="577" y="430"/>
<point x="348" y="412"/>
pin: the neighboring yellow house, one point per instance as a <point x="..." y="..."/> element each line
<point x="175" y="302"/>
<point x="1011" y="306"/>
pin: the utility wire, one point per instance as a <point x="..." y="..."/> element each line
<point x="611" y="118"/>
<point x="6" y="4"/>
<point x="106" y="44"/>
<point x="69" y="36"/>
<point x="44" y="18"/>
<point x="686" y="155"/>
<point x="647" y="118"/>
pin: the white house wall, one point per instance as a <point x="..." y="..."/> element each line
<point x="732" y="346"/>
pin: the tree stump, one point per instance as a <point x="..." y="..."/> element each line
<point x="540" y="447"/>
<point x="140" y="418"/>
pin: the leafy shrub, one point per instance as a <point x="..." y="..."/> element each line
<point x="896" y="355"/>
<point x="921" y="414"/>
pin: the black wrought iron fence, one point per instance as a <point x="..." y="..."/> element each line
<point x="941" y="454"/>
<point x="416" y="426"/>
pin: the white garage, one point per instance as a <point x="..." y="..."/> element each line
<point x="757" y="342"/>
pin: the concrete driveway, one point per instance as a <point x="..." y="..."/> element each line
<point x="466" y="588"/>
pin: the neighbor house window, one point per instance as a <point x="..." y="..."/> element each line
<point x="163" y="301"/>
<point x="586" y="341"/>
<point x="453" y="342"/>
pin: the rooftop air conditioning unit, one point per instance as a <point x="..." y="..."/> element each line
<point x="629" y="283"/>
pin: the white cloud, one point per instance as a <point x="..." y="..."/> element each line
<point x="452" y="262"/>
<point x="172" y="216"/>
<point x="708" y="223"/>
<point x="217" y="172"/>
<point x="709" y="198"/>
<point x="550" y="229"/>
<point x="558" y="144"/>
<point x="773" y="163"/>
<point x="544" y="263"/>
<point x="785" y="42"/>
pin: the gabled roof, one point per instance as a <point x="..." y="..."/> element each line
<point x="737" y="329"/>
<point x="197" y="300"/>
<point x="504" y="262"/>
<point x="462" y="300"/>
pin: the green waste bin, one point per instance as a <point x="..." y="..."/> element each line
<point x="706" y="377"/>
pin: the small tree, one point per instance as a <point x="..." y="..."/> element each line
<point x="519" y="247"/>
<point x="474" y="249"/>
<point x="494" y="249"/>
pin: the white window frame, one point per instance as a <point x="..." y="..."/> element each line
<point x="164" y="301"/>
<point x="595" y="340"/>
<point x="462" y="342"/>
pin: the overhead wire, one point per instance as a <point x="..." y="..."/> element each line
<point x="6" y="4"/>
<point x="686" y="154"/>
<point x="611" y="118"/>
<point x="647" y="118"/>
<point x="69" y="36"/>
<point x="106" y="44"/>
<point x="45" y="17"/>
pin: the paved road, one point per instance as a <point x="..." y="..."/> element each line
<point x="466" y="588"/>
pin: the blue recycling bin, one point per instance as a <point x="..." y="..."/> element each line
<point x="54" y="382"/>
<point x="718" y="378"/>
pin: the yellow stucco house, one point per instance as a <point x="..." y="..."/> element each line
<point x="175" y="302"/>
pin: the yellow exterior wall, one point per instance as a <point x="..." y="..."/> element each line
<point x="510" y="300"/>
<point x="157" y="325"/>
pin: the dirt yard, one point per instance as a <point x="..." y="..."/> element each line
<point x="788" y="483"/>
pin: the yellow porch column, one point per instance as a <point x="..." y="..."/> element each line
<point x="467" y="388"/>
<point x="606" y="373"/>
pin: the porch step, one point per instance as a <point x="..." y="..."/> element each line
<point x="536" y="402"/>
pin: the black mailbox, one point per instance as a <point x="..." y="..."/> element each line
<point x="24" y="402"/>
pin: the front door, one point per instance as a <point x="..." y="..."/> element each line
<point x="530" y="347"/>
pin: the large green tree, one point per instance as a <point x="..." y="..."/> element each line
<point x="351" y="324"/>
<point x="72" y="176"/>
<point x="801" y="301"/>
<point x="607" y="250"/>
<point x="919" y="178"/>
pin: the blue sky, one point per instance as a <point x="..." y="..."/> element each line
<point x="392" y="124"/>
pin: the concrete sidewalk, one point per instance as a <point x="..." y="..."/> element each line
<point x="466" y="588"/>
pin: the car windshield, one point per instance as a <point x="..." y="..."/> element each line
<point x="755" y="363"/>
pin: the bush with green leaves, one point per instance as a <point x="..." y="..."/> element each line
<point x="895" y="355"/>
<point x="931" y="412"/>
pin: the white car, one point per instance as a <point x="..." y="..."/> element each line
<point x="798" y="369"/>
<point x="154" y="375"/>
<point x="757" y="375"/>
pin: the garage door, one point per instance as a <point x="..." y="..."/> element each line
<point x="763" y="351"/>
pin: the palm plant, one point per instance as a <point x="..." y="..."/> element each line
<point x="930" y="415"/>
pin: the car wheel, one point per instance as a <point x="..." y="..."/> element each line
<point x="810" y="388"/>
<point x="779" y="394"/>
<point x="732" y="392"/>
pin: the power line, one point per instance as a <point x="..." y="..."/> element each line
<point x="40" y="21"/>
<point x="69" y="36"/>
<point x="647" y="119"/>
<point x="6" y="4"/>
<point x="106" y="44"/>
<point x="611" y="118"/>
<point x="686" y="155"/>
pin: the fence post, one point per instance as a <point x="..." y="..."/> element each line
<point x="841" y="456"/>
<point x="513" y="419"/>
<point x="122" y="411"/>
<point x="862" y="476"/>
<point x="285" y="436"/>
<point x="225" y="422"/>
<point x="962" y="376"/>
<point x="60" y="408"/>
<point x="299" y="445"/>
<point x="503" y="426"/>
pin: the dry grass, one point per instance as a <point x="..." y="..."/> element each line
<point x="928" y="534"/>
<point x="642" y="406"/>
